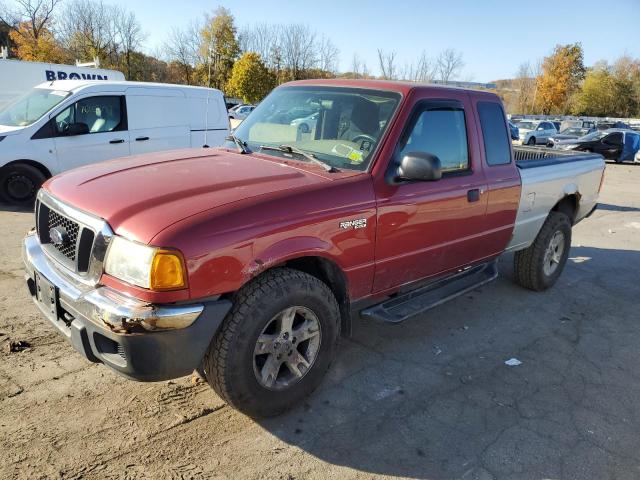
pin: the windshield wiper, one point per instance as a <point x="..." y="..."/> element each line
<point x="308" y="156"/>
<point x="241" y="144"/>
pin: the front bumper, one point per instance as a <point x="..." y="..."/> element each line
<point x="94" y="320"/>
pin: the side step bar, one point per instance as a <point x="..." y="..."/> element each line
<point x="400" y="308"/>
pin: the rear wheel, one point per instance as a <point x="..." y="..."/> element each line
<point x="276" y="344"/>
<point x="19" y="183"/>
<point x="539" y="266"/>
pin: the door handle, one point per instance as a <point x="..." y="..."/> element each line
<point x="141" y="139"/>
<point x="119" y="140"/>
<point x="473" y="195"/>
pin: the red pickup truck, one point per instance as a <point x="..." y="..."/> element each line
<point x="247" y="261"/>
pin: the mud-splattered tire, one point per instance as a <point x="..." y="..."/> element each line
<point x="254" y="336"/>
<point x="539" y="266"/>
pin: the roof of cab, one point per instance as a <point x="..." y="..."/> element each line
<point x="403" y="87"/>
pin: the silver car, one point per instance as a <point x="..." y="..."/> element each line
<point x="536" y="132"/>
<point x="242" y="112"/>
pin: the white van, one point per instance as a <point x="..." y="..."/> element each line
<point x="17" y="77"/>
<point x="65" y="124"/>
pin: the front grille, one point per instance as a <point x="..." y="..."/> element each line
<point x="71" y="228"/>
<point x="75" y="251"/>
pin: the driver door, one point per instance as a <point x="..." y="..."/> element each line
<point x="107" y="136"/>
<point x="611" y="145"/>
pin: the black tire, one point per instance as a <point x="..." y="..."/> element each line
<point x="529" y="264"/>
<point x="19" y="183"/>
<point x="531" y="141"/>
<point x="229" y="361"/>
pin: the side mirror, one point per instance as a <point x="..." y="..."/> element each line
<point x="540" y="129"/>
<point x="419" y="166"/>
<point x="77" y="129"/>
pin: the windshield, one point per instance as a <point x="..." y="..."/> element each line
<point x="527" y="125"/>
<point x="30" y="107"/>
<point x="594" y="136"/>
<point x="574" y="131"/>
<point x="338" y="126"/>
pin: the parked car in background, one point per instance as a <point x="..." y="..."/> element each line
<point x="306" y="124"/>
<point x="609" y="143"/>
<point x="18" y="77"/>
<point x="241" y="112"/>
<point x="247" y="262"/>
<point x="569" y="134"/>
<point x="536" y="132"/>
<point x="590" y="124"/>
<point x="514" y="131"/>
<point x="66" y="124"/>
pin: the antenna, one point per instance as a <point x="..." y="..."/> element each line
<point x="206" y="118"/>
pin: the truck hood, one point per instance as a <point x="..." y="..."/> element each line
<point x="141" y="196"/>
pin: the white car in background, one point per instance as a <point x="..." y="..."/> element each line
<point x="536" y="132"/>
<point x="306" y="124"/>
<point x="240" y="113"/>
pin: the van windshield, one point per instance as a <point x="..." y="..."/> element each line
<point x="338" y="126"/>
<point x="31" y="106"/>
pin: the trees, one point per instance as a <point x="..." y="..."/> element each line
<point x="250" y="79"/>
<point x="182" y="49"/>
<point x="219" y="48"/>
<point x="562" y="73"/>
<point x="610" y="90"/>
<point x="387" y="64"/>
<point x="449" y="64"/>
<point x="30" y="25"/>
<point x="525" y="85"/>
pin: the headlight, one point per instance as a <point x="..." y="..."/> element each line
<point x="144" y="266"/>
<point x="568" y="147"/>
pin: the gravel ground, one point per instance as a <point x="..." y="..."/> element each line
<point x="431" y="398"/>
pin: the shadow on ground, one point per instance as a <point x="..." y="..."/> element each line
<point x="433" y="398"/>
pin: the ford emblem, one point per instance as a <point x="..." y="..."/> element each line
<point x="59" y="236"/>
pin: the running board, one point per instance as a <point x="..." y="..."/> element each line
<point x="406" y="305"/>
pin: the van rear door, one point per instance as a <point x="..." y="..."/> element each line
<point x="158" y="119"/>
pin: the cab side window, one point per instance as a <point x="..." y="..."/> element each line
<point x="441" y="132"/>
<point x="494" y="133"/>
<point x="99" y="114"/>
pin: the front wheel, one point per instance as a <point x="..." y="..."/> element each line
<point x="532" y="141"/>
<point x="539" y="266"/>
<point x="276" y="344"/>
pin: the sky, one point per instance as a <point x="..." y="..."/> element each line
<point x="495" y="37"/>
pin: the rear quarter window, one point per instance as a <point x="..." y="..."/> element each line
<point x="494" y="133"/>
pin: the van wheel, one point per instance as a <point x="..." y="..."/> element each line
<point x="276" y="344"/>
<point x="19" y="183"/>
<point x="539" y="266"/>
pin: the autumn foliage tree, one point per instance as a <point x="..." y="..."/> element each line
<point x="42" y="47"/>
<point x="250" y="79"/>
<point x="562" y="73"/>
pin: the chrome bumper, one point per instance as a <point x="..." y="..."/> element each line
<point x="101" y="323"/>
<point x="103" y="305"/>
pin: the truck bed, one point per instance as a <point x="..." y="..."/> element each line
<point x="533" y="157"/>
<point x="547" y="177"/>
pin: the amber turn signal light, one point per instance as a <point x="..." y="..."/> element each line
<point x="167" y="271"/>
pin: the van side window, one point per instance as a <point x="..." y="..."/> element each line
<point x="99" y="114"/>
<point x="494" y="133"/>
<point x="441" y="132"/>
